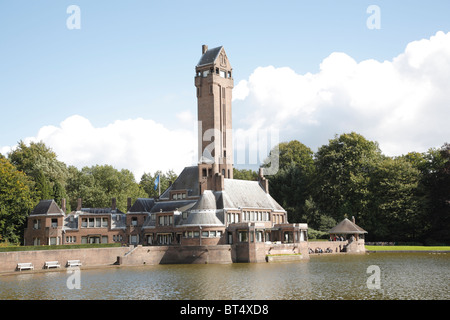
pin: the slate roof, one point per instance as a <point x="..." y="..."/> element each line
<point x="165" y="206"/>
<point x="47" y="207"/>
<point x="207" y="201"/>
<point x="142" y="205"/>
<point x="209" y="56"/>
<point x="188" y="179"/>
<point x="346" y="227"/>
<point x="245" y="194"/>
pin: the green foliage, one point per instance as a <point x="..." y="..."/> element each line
<point x="16" y="201"/>
<point x="245" y="174"/>
<point x="395" y="199"/>
<point x="290" y="185"/>
<point x="98" y="184"/>
<point x="147" y="182"/>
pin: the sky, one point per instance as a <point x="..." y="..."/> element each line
<point x="113" y="83"/>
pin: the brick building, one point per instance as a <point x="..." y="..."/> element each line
<point x="204" y="206"/>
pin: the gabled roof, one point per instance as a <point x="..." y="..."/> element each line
<point x="142" y="205"/>
<point x="346" y="227"/>
<point x="187" y="180"/>
<point x="47" y="207"/>
<point x="209" y="56"/>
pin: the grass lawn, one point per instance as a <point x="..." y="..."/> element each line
<point x="408" y="248"/>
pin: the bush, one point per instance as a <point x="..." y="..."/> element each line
<point x="316" y="234"/>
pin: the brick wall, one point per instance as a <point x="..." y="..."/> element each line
<point x="88" y="257"/>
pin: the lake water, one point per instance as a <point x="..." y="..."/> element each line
<point x="402" y="276"/>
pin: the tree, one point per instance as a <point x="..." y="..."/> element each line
<point x="290" y="185"/>
<point x="344" y="167"/>
<point x="41" y="164"/>
<point x="436" y="182"/>
<point x="98" y="184"/>
<point x="16" y="201"/>
<point x="147" y="182"/>
<point x="245" y="174"/>
<point x="396" y="213"/>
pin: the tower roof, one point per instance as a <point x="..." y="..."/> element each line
<point x="346" y="227"/>
<point x="209" y="56"/>
<point x="47" y="207"/>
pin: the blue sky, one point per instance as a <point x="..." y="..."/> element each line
<point x="136" y="59"/>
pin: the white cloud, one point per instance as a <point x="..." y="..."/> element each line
<point x="403" y="103"/>
<point x="139" y="145"/>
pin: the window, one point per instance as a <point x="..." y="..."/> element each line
<point x="71" y="239"/>
<point x="98" y="222"/>
<point x="205" y="234"/>
<point x="259" y="236"/>
<point x="196" y="234"/>
<point x="104" y="222"/>
<point x="84" y="223"/>
<point x="83" y="240"/>
<point x="223" y="74"/>
<point x="36" y="224"/>
<point x="54" y="223"/>
<point x="205" y="73"/>
<point x="134" y="221"/>
<point x="91" y="222"/>
<point x="53" y="241"/>
<point x="104" y="239"/>
<point x="243" y="236"/>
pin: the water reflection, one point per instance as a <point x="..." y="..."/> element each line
<point x="403" y="276"/>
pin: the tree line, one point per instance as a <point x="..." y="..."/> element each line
<point x="31" y="173"/>
<point x="403" y="199"/>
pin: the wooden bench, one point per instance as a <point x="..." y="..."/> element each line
<point x="25" y="265"/>
<point x="52" y="264"/>
<point x="73" y="263"/>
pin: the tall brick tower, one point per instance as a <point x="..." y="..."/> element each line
<point x="214" y="83"/>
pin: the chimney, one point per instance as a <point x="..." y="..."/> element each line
<point x="63" y="205"/>
<point x="353" y="219"/>
<point x="204" y="48"/>
<point x="113" y="204"/>
<point x="219" y="182"/>
<point x="128" y="204"/>
<point x="264" y="183"/>
<point x="79" y="204"/>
